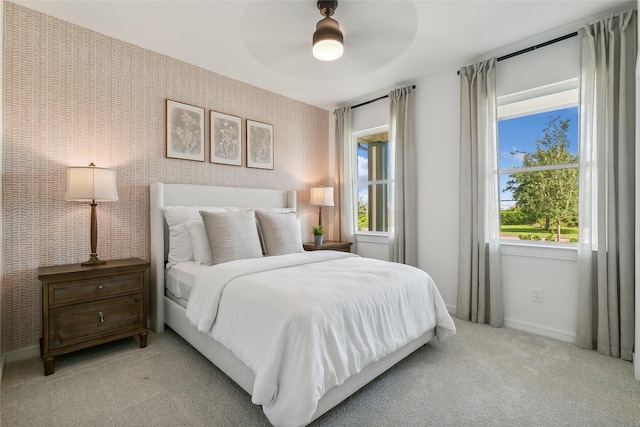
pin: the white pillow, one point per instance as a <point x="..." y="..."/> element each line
<point x="199" y="241"/>
<point x="280" y="233"/>
<point x="232" y="235"/>
<point x="180" y="246"/>
<point x="276" y="210"/>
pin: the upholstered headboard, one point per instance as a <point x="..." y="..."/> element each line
<point x="162" y="195"/>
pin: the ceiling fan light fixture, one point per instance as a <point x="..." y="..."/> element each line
<point x="327" y="40"/>
<point x="328" y="50"/>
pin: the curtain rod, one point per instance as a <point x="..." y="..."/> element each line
<point x="538" y="46"/>
<point x="374" y="100"/>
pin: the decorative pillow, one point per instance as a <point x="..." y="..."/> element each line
<point x="199" y="241"/>
<point x="232" y="235"/>
<point x="180" y="246"/>
<point x="280" y="233"/>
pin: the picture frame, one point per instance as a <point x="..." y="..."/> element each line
<point x="260" y="145"/>
<point x="185" y="131"/>
<point x="225" y="139"/>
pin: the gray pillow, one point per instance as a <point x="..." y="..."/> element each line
<point x="280" y="233"/>
<point x="232" y="235"/>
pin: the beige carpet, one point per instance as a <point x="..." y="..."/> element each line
<point x="481" y="377"/>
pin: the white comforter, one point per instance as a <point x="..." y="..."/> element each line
<point x="305" y="322"/>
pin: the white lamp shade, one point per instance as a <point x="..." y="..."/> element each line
<point x="328" y="50"/>
<point x="88" y="183"/>
<point x="321" y="196"/>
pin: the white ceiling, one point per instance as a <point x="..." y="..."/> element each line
<point x="268" y="43"/>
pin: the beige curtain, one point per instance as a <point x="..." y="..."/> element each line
<point x="479" y="268"/>
<point x="346" y="173"/>
<point x="607" y="185"/>
<point x="403" y="212"/>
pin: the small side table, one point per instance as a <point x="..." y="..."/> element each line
<point x="328" y="245"/>
<point x="86" y="306"/>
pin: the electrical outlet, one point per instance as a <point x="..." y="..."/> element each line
<point x="536" y="294"/>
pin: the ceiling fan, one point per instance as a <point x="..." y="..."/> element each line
<point x="327" y="40"/>
<point x="374" y="33"/>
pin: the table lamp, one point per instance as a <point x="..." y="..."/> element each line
<point x="91" y="184"/>
<point x="321" y="196"/>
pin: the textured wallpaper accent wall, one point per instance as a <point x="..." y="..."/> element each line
<point x="73" y="96"/>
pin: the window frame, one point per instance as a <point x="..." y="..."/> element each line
<point x="356" y="183"/>
<point x="537" y="100"/>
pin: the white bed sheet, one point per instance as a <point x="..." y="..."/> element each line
<point x="180" y="278"/>
<point x="297" y="320"/>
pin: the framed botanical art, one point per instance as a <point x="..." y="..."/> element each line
<point x="259" y="145"/>
<point x="226" y="139"/>
<point x="185" y="131"/>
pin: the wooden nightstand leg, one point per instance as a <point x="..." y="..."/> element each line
<point x="143" y="339"/>
<point x="49" y="365"/>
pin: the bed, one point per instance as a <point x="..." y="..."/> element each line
<point x="279" y="377"/>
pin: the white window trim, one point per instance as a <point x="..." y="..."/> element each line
<point x="540" y="168"/>
<point x="550" y="97"/>
<point x="356" y="183"/>
<point x="546" y="250"/>
<point x="372" y="236"/>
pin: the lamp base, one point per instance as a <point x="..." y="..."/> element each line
<point x="93" y="260"/>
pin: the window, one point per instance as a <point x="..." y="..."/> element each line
<point x="372" y="179"/>
<point x="538" y="164"/>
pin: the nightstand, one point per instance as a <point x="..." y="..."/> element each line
<point x="87" y="306"/>
<point x="328" y="245"/>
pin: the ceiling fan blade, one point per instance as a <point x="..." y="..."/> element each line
<point x="285" y="45"/>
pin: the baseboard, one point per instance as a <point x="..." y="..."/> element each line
<point x="22" y="354"/>
<point x="537" y="329"/>
<point x="451" y="309"/>
<point x="636" y="366"/>
<point x="540" y="330"/>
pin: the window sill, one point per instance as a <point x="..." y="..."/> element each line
<point x="372" y="237"/>
<point x="557" y="251"/>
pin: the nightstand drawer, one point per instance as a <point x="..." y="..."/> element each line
<point x="82" y="322"/>
<point x="83" y="290"/>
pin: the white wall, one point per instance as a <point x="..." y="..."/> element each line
<point x="437" y="105"/>
<point x="436" y="132"/>
<point x="370" y="115"/>
<point x="554" y="271"/>
<point x="550" y="64"/>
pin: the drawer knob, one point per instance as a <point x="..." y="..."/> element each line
<point x="101" y="317"/>
<point x="100" y="287"/>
